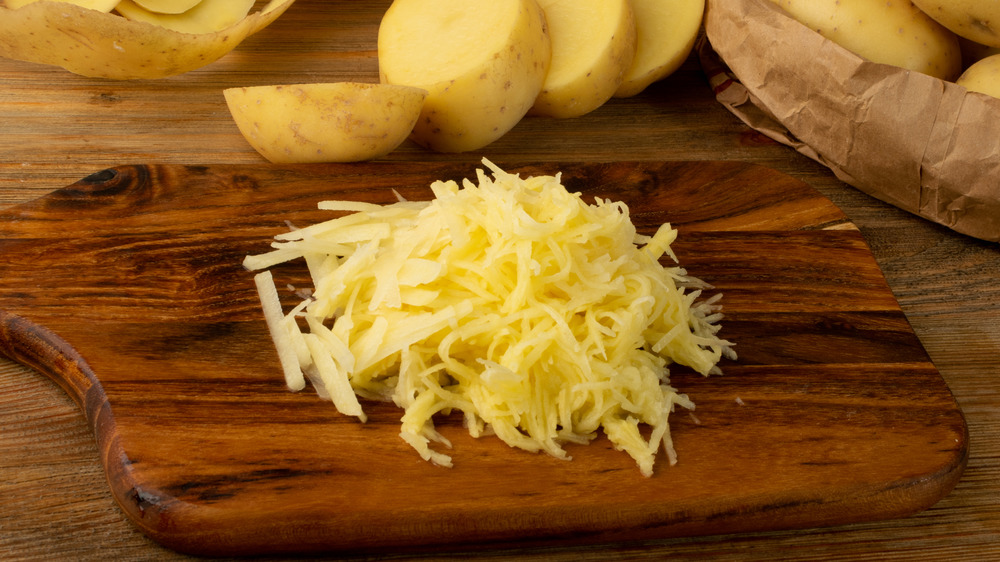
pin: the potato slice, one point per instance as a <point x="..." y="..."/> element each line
<point x="482" y="62"/>
<point x="667" y="32"/>
<point x="100" y="5"/>
<point x="593" y="44"/>
<point x="208" y="16"/>
<point x="333" y="122"/>
<point x="95" y="44"/>
<point x="167" y="6"/>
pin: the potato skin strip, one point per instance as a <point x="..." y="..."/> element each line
<point x="542" y="319"/>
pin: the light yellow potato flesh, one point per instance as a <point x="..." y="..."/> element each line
<point x="593" y="44"/>
<point x="168" y="6"/>
<point x="896" y="33"/>
<point x="482" y="62"/>
<point x="99" y="5"/>
<point x="983" y="76"/>
<point x="95" y="44"/>
<point x="208" y="16"/>
<point x="332" y="122"/>
<point x="667" y="30"/>
<point x="977" y="20"/>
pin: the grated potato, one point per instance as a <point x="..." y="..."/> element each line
<point x="541" y="318"/>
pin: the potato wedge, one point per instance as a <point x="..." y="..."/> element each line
<point x="208" y="16"/>
<point x="331" y="122"/>
<point x="667" y="31"/>
<point x="593" y="44"/>
<point x="99" y="5"/>
<point x="100" y="45"/>
<point x="482" y="62"/>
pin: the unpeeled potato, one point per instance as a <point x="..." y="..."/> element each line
<point x="96" y="44"/>
<point x="99" y="5"/>
<point x="977" y="20"/>
<point x="593" y="44"/>
<point x="895" y="33"/>
<point x="332" y="122"/>
<point x="206" y="16"/>
<point x="983" y="76"/>
<point x="482" y="62"/>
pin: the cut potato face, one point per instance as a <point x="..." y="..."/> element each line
<point x="100" y="45"/>
<point x="99" y="5"/>
<point x="482" y="62"/>
<point x="667" y="31"/>
<point x="207" y="16"/>
<point x="335" y="122"/>
<point x="167" y="6"/>
<point x="593" y="44"/>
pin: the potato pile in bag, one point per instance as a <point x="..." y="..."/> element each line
<point x="541" y="318"/>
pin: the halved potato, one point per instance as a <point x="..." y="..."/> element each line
<point x="331" y="122"/>
<point x="482" y="61"/>
<point x="100" y="45"/>
<point x="593" y="44"/>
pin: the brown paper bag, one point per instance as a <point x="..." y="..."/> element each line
<point x="922" y="144"/>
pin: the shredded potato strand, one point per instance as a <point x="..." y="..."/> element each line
<point x="541" y="318"/>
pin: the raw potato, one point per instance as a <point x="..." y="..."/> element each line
<point x="983" y="76"/>
<point x="99" y="5"/>
<point x="168" y="6"/>
<point x="336" y="122"/>
<point x="978" y="20"/>
<point x="593" y="44"/>
<point x="482" y="63"/>
<point x="896" y="33"/>
<point x="667" y="30"/>
<point x="208" y="16"/>
<point x="95" y="44"/>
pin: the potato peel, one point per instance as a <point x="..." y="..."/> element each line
<point x="99" y="45"/>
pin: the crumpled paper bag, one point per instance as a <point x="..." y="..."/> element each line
<point x="920" y="143"/>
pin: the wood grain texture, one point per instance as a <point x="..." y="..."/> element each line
<point x="56" y="128"/>
<point x="127" y="288"/>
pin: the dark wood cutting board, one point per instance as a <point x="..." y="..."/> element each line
<point x="127" y="288"/>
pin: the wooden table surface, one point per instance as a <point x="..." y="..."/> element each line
<point x="56" y="128"/>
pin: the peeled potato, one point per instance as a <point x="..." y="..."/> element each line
<point x="168" y="6"/>
<point x="99" y="5"/>
<point x="208" y="16"/>
<point x="667" y="31"/>
<point x="334" y="122"/>
<point x="100" y="45"/>
<point x="593" y="44"/>
<point x="482" y="63"/>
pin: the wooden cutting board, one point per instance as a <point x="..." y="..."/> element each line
<point x="127" y="288"/>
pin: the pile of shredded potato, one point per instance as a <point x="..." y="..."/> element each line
<point x="539" y="317"/>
